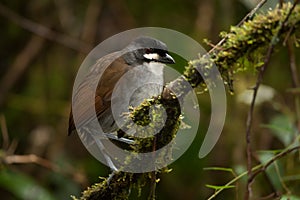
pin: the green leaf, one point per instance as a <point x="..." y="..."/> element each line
<point x="216" y="187"/>
<point x="274" y="171"/>
<point x="289" y="197"/>
<point x="22" y="186"/>
<point x="291" y="178"/>
<point x="219" y="169"/>
<point x="282" y="127"/>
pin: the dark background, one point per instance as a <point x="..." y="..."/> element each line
<point x="36" y="80"/>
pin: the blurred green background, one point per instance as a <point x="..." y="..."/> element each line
<point x="43" y="43"/>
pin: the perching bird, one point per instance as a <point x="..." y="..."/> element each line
<point x="139" y="63"/>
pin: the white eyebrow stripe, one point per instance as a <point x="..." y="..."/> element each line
<point x="151" y="56"/>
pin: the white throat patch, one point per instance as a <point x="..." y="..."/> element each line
<point x="151" y="56"/>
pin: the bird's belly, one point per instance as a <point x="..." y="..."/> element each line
<point x="140" y="83"/>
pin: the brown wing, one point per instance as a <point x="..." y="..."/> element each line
<point x="110" y="77"/>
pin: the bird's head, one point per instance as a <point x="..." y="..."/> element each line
<point x="147" y="49"/>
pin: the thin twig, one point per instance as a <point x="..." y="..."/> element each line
<point x="247" y="17"/>
<point x="17" y="159"/>
<point x="252" y="12"/>
<point x="295" y="80"/>
<point x="31" y="158"/>
<point x="284" y="186"/>
<point x="288" y="15"/>
<point x="153" y="175"/>
<point x="257" y="170"/>
<point x="273" y="195"/>
<point x="12" y="147"/>
<point x="152" y="186"/>
<point x="44" y="31"/>
<point x="251" y="110"/>
<point x="272" y="160"/>
<point x="250" y="119"/>
<point x="5" y="136"/>
<point x="265" y="176"/>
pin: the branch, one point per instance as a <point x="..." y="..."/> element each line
<point x="44" y="31"/>
<point x="31" y="158"/>
<point x="240" y="43"/>
<point x="256" y="170"/>
<point x="246" y="18"/>
<point x="259" y="80"/>
<point x="276" y="157"/>
<point x="295" y="80"/>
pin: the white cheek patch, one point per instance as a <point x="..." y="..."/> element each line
<point x="151" y="56"/>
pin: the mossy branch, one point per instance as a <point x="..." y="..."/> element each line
<point x="245" y="42"/>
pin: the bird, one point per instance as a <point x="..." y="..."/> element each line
<point x="140" y="62"/>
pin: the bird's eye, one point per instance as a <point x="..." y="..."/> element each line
<point x="149" y="50"/>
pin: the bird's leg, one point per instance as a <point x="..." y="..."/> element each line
<point x="104" y="152"/>
<point x="117" y="138"/>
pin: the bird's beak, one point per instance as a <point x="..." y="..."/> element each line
<point x="167" y="59"/>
